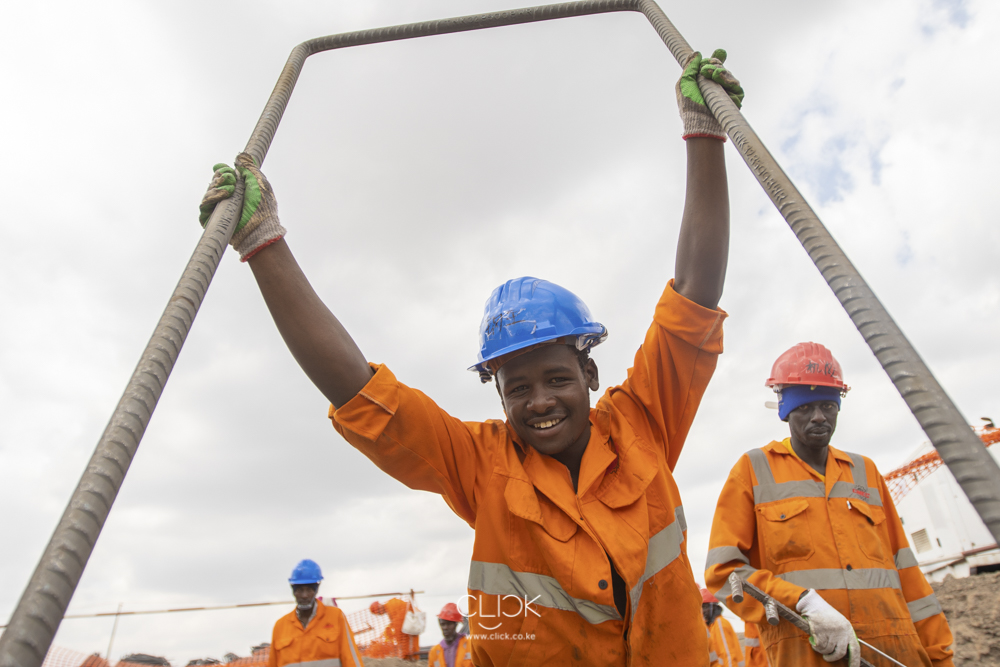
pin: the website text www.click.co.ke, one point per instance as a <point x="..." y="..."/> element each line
<point x="502" y="637"/>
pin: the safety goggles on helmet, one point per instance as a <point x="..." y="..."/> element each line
<point x="527" y="311"/>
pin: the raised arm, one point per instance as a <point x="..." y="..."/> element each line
<point x="315" y="337"/>
<point x="317" y="340"/>
<point x="703" y="246"/>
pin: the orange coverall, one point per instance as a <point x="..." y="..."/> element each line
<point x="536" y="539"/>
<point x="782" y="529"/>
<point x="463" y="654"/>
<point x="725" y="643"/>
<point x="395" y="642"/>
<point x="326" y="642"/>
<point x="753" y="652"/>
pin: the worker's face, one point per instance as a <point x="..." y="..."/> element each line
<point x="546" y="395"/>
<point x="449" y="629"/>
<point x="813" y="424"/>
<point x="304" y="594"/>
<point x="706" y="612"/>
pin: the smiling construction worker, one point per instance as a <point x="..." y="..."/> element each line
<point x="816" y="529"/>
<point x="579" y="556"/>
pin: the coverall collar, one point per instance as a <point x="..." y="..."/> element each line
<point x="616" y="478"/>
<point x="834" y="472"/>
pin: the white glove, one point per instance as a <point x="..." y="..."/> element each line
<point x="830" y="634"/>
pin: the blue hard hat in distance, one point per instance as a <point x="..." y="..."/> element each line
<point x="527" y="311"/>
<point x="306" y="572"/>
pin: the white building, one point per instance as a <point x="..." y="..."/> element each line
<point x="945" y="532"/>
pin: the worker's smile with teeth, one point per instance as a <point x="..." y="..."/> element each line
<point x="547" y="424"/>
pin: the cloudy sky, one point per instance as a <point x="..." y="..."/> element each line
<point x="413" y="178"/>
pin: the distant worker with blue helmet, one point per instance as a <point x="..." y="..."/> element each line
<point x="580" y="554"/>
<point x="313" y="635"/>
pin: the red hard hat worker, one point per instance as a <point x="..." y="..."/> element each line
<point x="819" y="532"/>
<point x="450" y="612"/>
<point x="806" y="373"/>
<point x="454" y="649"/>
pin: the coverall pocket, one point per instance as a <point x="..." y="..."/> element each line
<point x="785" y="526"/>
<point x="869" y="524"/>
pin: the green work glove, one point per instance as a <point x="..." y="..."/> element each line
<point x="695" y="114"/>
<point x="258" y="226"/>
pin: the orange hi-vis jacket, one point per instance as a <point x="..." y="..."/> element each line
<point x="782" y="529"/>
<point x="540" y="584"/>
<point x="463" y="654"/>
<point x="753" y="653"/>
<point x="725" y="643"/>
<point x="326" y="642"/>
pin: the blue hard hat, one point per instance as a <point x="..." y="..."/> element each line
<point x="528" y="311"/>
<point x="306" y="572"/>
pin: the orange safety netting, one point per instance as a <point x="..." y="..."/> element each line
<point x="64" y="657"/>
<point x="901" y="480"/>
<point x="378" y="630"/>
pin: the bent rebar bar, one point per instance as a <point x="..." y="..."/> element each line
<point x="43" y="603"/>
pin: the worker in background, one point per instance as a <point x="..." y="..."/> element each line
<point x="724" y="641"/>
<point x="753" y="653"/>
<point x="394" y="642"/>
<point x="454" y="650"/>
<point x="312" y="634"/>
<point x="580" y="554"/>
<point x="815" y="528"/>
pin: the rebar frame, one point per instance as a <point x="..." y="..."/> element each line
<point x="43" y="604"/>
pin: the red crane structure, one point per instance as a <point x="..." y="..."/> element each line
<point x="901" y="480"/>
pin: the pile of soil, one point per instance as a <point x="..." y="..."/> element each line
<point x="972" y="606"/>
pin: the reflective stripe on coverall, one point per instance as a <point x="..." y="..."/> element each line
<point x="540" y="584"/>
<point x="463" y="654"/>
<point x="713" y="657"/>
<point x="725" y="643"/>
<point x="783" y="530"/>
<point x="753" y="652"/>
<point x="326" y="642"/>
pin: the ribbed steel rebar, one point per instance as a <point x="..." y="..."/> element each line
<point x="43" y="604"/>
<point x="37" y="616"/>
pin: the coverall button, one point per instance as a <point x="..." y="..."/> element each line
<point x="849" y="568"/>
<point x="782" y="516"/>
<point x="602" y="584"/>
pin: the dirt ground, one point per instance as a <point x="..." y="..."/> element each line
<point x="972" y="606"/>
<point x="393" y="662"/>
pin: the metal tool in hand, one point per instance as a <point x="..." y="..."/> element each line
<point x="773" y="609"/>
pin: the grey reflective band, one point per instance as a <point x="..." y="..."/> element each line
<point x="924" y="608"/>
<point x="858" y="579"/>
<point x="329" y="662"/>
<point x="860" y="473"/>
<point x="744" y="572"/>
<point x="752" y="641"/>
<point x="722" y="555"/>
<point x="350" y="642"/>
<point x="761" y="468"/>
<point x="725" y="645"/>
<point x="905" y="558"/>
<point x="767" y="490"/>
<point x="741" y="664"/>
<point x="712" y="656"/>
<point x="869" y="494"/>
<point x="538" y="589"/>
<point x="664" y="548"/>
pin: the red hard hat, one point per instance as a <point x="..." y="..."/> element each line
<point x="376" y="608"/>
<point x="707" y="597"/>
<point x="809" y="364"/>
<point x="450" y="612"/>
